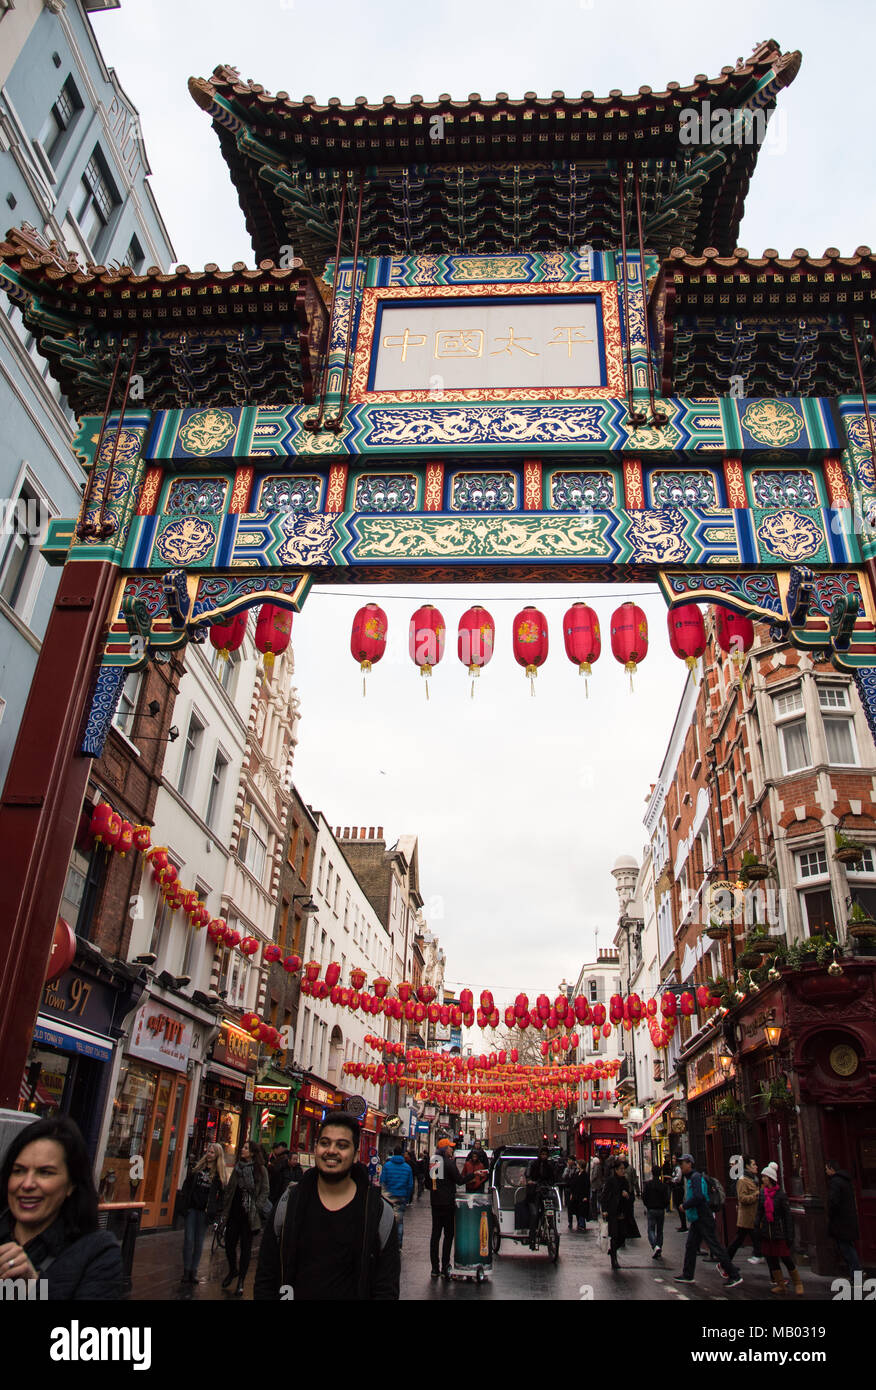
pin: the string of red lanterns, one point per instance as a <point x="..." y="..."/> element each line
<point x="530" y="637"/>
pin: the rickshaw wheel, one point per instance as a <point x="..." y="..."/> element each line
<point x="496" y="1238"/>
<point x="480" y="1275"/>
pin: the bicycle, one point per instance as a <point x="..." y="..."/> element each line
<point x="548" y="1231"/>
<point x="218" y="1237"/>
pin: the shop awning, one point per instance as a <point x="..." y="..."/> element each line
<point x="227" y="1074"/>
<point x="70" y="1039"/>
<point x="643" y="1129"/>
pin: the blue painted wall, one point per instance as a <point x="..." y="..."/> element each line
<point x="47" y="193"/>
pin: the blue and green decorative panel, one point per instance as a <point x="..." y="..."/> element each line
<point x="283" y="492"/>
<point x="785" y="487"/>
<point x="575" y="490"/>
<point x="691" y="487"/>
<point x="485" y="491"/>
<point x="387" y="492"/>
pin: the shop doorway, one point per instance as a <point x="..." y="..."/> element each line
<point x="849" y="1137"/>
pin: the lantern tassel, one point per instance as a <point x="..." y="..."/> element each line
<point x="630" y="668"/>
<point x="269" y="661"/>
<point x="691" y="663"/>
<point x="223" y="653"/>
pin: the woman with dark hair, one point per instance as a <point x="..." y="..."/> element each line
<point x="617" y="1203"/>
<point x="247" y="1200"/>
<point x="48" y="1216"/>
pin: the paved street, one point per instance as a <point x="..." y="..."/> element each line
<point x="518" y="1274"/>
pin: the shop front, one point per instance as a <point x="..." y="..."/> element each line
<point x="597" y="1135"/>
<point x="146" y="1136"/>
<point x="811" y="1087"/>
<point x="69" y="1068"/>
<point x="222" y="1116"/>
<point x="272" y="1121"/>
<point x="314" y="1099"/>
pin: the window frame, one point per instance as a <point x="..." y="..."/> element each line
<point x="190" y="755"/>
<point x="29" y="576"/>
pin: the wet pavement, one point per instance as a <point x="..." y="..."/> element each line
<point x="581" y="1272"/>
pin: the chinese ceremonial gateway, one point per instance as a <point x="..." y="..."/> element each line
<point x="495" y="340"/>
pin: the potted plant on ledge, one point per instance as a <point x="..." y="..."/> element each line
<point x="846" y="850"/>
<point x="718" y="930"/>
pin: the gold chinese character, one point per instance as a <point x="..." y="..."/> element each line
<point x="462" y="342"/>
<point x="404" y="341"/>
<point x="573" y="336"/>
<point x="512" y="344"/>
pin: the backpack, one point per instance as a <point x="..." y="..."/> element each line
<point x="715" y="1193"/>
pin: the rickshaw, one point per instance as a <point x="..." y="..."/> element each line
<point x="508" y="1196"/>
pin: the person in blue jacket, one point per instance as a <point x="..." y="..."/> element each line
<point x="397" y="1186"/>
<point x="701" y="1226"/>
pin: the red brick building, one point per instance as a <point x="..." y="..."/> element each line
<point x="776" y="761"/>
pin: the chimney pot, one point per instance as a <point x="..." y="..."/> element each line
<point x="362" y="835"/>
<point x="371" y="832"/>
<point x="380" y="832"/>
<point x="346" y="832"/>
<point x="354" y="832"/>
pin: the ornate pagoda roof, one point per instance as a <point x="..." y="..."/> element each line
<point x="211" y="336"/>
<point x="488" y="177"/>
<point x="779" y="322"/>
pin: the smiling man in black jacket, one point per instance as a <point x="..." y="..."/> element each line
<point x="332" y="1236"/>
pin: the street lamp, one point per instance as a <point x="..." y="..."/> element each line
<point x="773" y="1033"/>
<point x="725" y="1061"/>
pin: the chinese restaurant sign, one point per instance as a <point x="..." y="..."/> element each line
<point x="470" y="344"/>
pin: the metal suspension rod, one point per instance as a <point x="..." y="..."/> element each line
<point x="104" y="527"/>
<point x="860" y="366"/>
<point x="338" y="420"/>
<point x="85" y="528"/>
<point x="322" y="365"/>
<point x="637" y="184"/>
<point x="628" y="355"/>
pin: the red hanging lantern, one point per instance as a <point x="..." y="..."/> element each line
<point x="217" y="929"/>
<point x="273" y="630"/>
<point x="311" y="971"/>
<point x="735" y="634"/>
<point x="357" y="977"/>
<point x="126" y="838"/>
<point x="426" y="640"/>
<point x="583" y="640"/>
<point x="292" y="964"/>
<point x="425" y="994"/>
<point x="232" y="937"/>
<point x="687" y="1003"/>
<point x="530" y="642"/>
<point x="598" y="1014"/>
<point x="227" y="637"/>
<point x="106" y="824"/>
<point x="668" y="1005"/>
<point x="249" y="945"/>
<point x="368" y="638"/>
<point x="142" y="838"/>
<point x="381" y="985"/>
<point x="687" y="634"/>
<point x="271" y="954"/>
<point x="466" y="999"/>
<point x="629" y="637"/>
<point x="332" y="974"/>
<point x="510" y="1017"/>
<point x="477" y="634"/>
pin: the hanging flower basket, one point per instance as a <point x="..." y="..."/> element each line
<point x="753" y="869"/>
<point x="847" y="851"/>
<point x="863" y="929"/>
<point x="749" y="960"/>
<point x="718" y="931"/>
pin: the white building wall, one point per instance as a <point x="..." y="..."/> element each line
<point x="347" y="930"/>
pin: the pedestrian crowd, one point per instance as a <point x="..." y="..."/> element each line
<point x="335" y="1230"/>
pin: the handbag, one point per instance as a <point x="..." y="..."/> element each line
<point x="603" y="1235"/>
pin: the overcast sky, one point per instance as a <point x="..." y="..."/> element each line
<point x="521" y="805"/>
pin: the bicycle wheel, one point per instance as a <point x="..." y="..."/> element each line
<point x="553" y="1237"/>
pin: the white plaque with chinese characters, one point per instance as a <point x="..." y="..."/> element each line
<point x="488" y="345"/>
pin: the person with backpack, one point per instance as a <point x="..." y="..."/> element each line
<point x="703" y="1197"/>
<point x="397" y="1186"/>
<point x="655" y="1195"/>
<point x="774" y="1225"/>
<point x="332" y="1236"/>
